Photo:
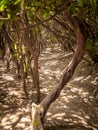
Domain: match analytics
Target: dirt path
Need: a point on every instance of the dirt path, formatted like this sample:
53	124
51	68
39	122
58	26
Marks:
76	108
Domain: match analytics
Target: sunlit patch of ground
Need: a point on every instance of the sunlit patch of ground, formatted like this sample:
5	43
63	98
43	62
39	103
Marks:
75	109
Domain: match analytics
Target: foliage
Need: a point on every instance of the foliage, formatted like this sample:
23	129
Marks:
32	24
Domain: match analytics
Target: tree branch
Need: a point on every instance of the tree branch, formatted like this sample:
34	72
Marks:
69	71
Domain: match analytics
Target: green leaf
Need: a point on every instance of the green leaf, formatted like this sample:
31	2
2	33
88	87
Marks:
93	3
74	9
9	16
3	4
80	3
17	2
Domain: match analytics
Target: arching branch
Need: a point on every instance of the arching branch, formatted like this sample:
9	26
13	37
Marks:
69	71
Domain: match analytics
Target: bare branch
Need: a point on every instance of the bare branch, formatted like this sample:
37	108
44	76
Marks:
4	19
69	71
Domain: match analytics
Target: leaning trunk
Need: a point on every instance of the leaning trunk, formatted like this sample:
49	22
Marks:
66	75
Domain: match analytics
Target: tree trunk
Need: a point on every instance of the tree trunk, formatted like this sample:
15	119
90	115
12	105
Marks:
79	31
36	79
23	75
36	120
31	46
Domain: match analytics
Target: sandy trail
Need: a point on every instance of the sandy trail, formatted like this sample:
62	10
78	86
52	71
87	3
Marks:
75	109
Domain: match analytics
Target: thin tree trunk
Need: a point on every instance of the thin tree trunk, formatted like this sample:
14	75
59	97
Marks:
32	49
24	79
36	79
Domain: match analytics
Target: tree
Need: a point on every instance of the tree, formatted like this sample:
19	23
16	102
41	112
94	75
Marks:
32	18
42	108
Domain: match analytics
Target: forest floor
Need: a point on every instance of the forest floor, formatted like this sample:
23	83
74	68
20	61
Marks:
75	109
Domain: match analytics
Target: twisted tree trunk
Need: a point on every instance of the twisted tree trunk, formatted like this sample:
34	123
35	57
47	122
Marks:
41	109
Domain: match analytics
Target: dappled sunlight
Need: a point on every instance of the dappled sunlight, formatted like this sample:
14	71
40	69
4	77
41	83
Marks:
75	109
7	120
16	120
67	98
80	92
44	90
49	113
58	115
7	77
74	101
22	125
14	93
78	78
46	72
57	72
25	119
80	119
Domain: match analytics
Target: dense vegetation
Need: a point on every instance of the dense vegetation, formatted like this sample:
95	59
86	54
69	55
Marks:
26	27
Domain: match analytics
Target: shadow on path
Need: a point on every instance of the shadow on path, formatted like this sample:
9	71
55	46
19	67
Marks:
75	109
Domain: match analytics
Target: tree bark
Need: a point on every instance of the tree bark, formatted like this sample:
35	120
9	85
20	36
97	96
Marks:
31	46
67	74
36	79
36	120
